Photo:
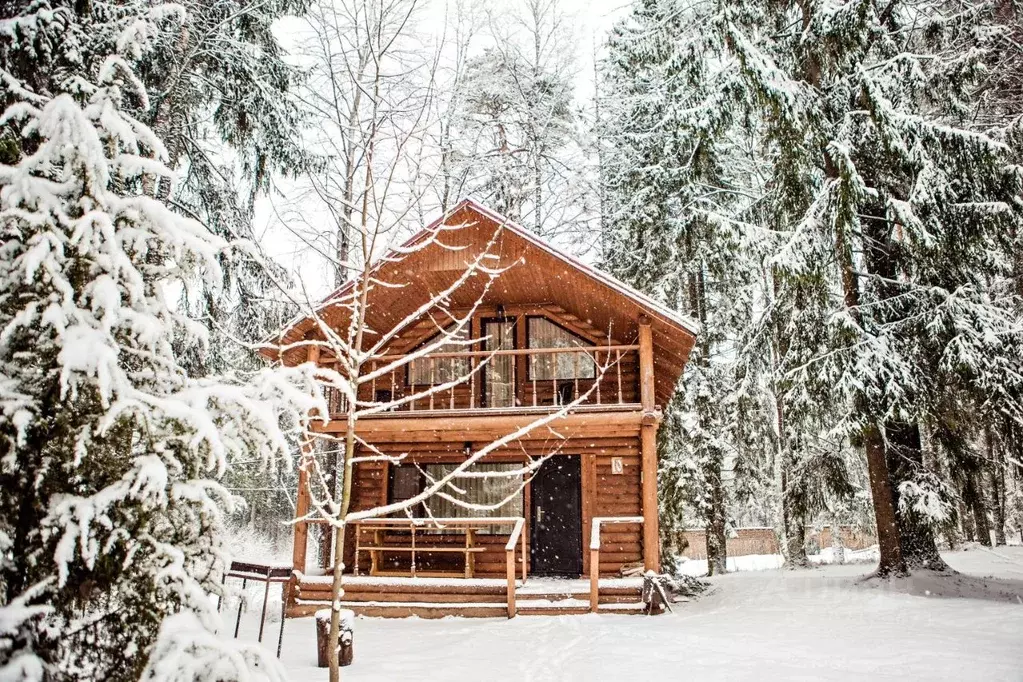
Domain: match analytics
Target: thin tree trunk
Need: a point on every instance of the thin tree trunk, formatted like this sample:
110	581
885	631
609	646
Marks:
837	546
975	498
966	518
795	538
974	495
717	543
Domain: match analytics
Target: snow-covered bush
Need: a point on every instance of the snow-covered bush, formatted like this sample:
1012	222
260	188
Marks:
111	517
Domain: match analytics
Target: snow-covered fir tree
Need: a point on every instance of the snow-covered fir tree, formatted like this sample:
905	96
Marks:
677	204
112	516
891	213
221	99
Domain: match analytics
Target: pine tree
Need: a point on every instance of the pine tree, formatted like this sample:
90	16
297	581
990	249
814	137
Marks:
112	517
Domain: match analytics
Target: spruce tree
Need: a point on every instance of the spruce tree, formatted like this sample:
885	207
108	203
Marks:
676	228
113	517
877	189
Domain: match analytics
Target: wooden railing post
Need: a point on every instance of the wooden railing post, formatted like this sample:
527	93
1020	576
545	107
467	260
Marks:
510	567
509	561
525	556
595	553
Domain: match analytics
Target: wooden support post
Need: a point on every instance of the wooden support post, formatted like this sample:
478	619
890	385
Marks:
648	443
646	364
301	509
298	551
594	579
651	527
470	556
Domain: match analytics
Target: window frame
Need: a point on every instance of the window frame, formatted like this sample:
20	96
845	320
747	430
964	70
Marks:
529	345
419	513
514	320
430	339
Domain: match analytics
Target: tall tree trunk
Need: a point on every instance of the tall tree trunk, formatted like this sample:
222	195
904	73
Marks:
717	543
888	537
974	493
905	457
996	484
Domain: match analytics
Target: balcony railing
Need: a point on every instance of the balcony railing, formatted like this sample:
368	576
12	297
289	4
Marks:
512	379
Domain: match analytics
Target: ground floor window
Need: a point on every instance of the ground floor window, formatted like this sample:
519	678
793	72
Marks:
482	485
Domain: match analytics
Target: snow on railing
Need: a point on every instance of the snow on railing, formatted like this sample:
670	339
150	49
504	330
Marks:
509	550
598	521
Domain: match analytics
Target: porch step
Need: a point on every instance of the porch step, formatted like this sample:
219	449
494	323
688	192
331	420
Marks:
473	598
426	609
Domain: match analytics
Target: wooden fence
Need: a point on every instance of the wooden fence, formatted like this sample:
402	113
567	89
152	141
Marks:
749	541
746	541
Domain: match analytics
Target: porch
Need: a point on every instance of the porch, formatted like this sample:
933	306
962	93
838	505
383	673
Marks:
390	593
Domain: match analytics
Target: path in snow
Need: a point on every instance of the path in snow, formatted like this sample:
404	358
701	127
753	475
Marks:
818	624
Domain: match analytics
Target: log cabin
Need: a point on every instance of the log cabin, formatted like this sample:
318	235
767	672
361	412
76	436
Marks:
547	332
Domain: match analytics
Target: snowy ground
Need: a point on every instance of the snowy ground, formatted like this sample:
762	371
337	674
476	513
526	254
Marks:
817	624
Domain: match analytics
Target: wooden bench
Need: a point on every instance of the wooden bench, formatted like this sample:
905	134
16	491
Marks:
416	538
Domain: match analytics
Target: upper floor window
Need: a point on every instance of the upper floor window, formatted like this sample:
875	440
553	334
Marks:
430	371
545	366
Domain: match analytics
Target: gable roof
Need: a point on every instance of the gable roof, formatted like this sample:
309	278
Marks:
534	272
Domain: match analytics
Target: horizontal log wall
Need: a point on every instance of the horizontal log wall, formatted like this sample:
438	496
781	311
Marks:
603	494
618	495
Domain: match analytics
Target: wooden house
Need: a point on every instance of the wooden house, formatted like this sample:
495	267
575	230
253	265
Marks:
553	331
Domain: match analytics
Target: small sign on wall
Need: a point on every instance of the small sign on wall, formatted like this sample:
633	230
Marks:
616	465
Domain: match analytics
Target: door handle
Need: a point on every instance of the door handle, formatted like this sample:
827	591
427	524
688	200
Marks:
539	514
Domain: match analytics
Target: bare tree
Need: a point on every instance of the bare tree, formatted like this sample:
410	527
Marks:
373	97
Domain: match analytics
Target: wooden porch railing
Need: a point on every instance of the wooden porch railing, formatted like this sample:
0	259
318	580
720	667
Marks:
509	550
598	521
613	385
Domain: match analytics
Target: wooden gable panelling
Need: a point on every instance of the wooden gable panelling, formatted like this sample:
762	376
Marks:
532	274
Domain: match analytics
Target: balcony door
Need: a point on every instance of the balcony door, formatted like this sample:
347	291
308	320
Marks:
499	373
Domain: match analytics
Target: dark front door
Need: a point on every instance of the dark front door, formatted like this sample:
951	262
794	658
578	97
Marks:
557	524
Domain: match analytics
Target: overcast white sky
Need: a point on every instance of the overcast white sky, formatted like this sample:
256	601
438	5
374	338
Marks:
591	20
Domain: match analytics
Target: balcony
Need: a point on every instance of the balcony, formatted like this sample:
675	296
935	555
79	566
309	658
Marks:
498	382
